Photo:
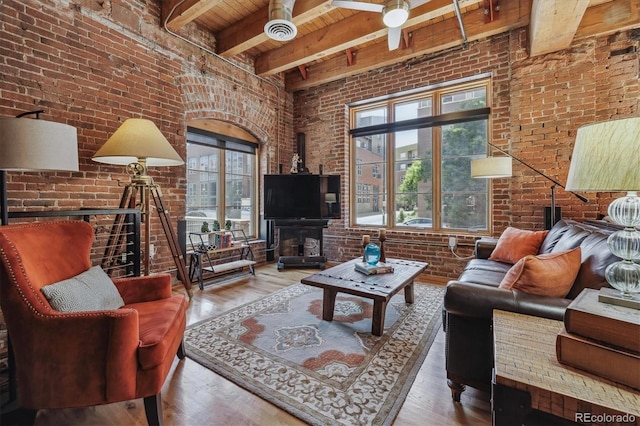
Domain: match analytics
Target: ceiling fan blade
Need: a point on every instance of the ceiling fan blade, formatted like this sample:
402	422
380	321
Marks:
393	37
415	3
357	5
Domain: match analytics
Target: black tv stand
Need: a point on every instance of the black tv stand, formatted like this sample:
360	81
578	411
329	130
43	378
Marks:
302	228
301	262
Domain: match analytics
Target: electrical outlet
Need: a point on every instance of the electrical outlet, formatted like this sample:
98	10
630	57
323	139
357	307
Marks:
453	243
152	251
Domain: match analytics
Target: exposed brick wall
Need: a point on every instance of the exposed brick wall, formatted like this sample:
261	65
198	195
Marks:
538	105
94	64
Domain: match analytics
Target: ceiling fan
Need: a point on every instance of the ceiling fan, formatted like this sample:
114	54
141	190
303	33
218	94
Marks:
394	14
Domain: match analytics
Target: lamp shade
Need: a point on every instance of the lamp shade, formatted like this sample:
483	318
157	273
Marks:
491	167
138	138
37	145
330	197
606	157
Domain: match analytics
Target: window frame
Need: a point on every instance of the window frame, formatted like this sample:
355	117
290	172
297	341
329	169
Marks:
224	144
437	94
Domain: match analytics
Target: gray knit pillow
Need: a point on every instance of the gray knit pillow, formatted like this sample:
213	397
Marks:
92	290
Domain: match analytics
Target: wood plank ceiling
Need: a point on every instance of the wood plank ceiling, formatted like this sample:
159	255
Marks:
335	42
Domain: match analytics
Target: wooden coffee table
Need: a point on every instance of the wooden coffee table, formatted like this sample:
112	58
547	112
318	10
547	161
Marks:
344	279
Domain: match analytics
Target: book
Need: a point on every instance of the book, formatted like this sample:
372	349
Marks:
612	325
593	357
378	268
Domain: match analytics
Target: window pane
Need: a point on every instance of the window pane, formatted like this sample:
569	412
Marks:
370	117
464	199
464	100
202	186
239	196
370	180
412	168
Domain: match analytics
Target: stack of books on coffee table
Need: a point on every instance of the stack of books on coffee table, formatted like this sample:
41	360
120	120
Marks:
602	339
378	268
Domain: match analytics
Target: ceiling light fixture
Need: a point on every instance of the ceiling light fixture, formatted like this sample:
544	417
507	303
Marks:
395	13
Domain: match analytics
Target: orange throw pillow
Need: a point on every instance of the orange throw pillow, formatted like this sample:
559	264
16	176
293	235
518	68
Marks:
514	244
550	274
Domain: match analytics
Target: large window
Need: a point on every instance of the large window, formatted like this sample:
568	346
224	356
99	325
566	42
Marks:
221	182
411	159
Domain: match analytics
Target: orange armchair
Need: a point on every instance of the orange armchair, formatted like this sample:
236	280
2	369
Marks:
75	359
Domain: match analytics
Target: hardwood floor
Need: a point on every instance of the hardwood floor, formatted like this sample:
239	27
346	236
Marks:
193	395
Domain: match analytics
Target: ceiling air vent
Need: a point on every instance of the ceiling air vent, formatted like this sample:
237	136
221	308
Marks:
280	26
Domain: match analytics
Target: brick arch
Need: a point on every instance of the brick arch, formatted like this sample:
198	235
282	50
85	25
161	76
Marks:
205	97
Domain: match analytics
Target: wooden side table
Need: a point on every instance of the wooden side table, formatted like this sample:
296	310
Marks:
527	376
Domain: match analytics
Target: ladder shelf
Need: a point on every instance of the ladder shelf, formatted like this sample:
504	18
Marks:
205	263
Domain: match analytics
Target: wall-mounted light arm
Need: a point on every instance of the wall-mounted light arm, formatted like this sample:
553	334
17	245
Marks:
555	182
496	167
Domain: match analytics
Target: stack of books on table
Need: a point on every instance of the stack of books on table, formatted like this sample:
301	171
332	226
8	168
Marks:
378	268
602	339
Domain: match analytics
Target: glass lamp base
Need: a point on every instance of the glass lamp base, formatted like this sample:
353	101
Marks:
625	274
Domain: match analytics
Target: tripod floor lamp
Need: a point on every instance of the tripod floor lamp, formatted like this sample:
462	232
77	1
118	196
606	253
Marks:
138	143
501	167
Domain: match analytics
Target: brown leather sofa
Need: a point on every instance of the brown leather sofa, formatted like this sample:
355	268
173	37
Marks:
470	300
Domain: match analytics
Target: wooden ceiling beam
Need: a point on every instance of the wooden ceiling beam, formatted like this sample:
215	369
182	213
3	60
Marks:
186	12
554	24
620	15
249	32
433	38
360	28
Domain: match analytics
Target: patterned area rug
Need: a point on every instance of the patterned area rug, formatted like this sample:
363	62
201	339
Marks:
322	372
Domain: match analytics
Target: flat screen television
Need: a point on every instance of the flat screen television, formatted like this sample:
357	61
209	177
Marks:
301	196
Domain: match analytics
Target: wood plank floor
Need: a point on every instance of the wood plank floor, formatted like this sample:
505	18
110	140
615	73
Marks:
193	395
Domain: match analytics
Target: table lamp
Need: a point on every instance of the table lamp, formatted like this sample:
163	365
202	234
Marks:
34	145
606	158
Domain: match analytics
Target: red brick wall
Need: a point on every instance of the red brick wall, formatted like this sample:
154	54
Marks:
538	105
94	64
